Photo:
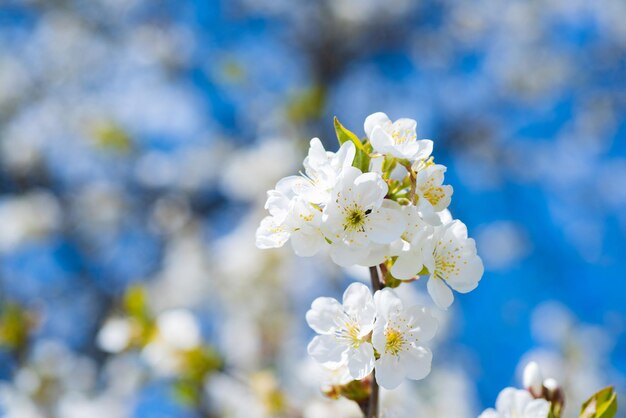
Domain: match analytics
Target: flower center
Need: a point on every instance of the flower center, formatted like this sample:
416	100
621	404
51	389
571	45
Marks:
434	195
445	263
394	341
355	219
350	333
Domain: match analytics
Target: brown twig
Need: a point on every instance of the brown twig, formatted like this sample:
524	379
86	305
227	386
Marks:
372	410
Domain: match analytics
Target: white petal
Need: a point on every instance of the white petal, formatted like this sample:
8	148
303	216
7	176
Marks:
358	301
457	229
317	153
512	401
348	176
416	362
306	244
288	185
373	120
347	256
407	265
490	413
389	374
310	193
387	303
537	408
407	150
468	277
445	216
270	234
369	190
361	361
425	149
345	155
326	348
380	140
386	224
441	294
405	124
378	335
378	254
424	323
324	315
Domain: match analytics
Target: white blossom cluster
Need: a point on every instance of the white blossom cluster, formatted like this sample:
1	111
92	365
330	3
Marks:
396	213
377	202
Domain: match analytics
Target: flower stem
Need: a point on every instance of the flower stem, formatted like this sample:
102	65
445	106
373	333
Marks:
372	410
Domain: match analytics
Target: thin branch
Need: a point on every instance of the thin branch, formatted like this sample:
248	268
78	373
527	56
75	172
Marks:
372	410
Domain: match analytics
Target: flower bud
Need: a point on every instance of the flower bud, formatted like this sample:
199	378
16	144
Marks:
533	379
553	393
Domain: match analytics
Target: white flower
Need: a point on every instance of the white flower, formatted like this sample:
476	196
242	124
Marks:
290	217
399	334
517	403
396	138
343	330
453	263
359	216
322	169
115	335
177	333
433	195
417	239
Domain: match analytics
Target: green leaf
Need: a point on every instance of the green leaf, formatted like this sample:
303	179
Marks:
602	404
362	158
344	135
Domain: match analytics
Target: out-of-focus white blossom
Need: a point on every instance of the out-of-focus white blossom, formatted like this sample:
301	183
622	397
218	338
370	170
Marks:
517	403
115	335
177	332
28	217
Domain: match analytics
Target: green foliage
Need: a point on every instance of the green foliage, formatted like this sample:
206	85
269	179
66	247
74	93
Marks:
602	404
135	303
15	325
199	362
307	105
111	137
362	157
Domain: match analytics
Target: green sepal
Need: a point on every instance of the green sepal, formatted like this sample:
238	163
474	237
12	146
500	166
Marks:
423	271
602	404
389	163
362	158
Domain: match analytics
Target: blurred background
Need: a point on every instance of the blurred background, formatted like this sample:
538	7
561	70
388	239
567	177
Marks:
138	138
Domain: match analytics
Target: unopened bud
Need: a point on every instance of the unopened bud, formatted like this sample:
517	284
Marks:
553	393
533	379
